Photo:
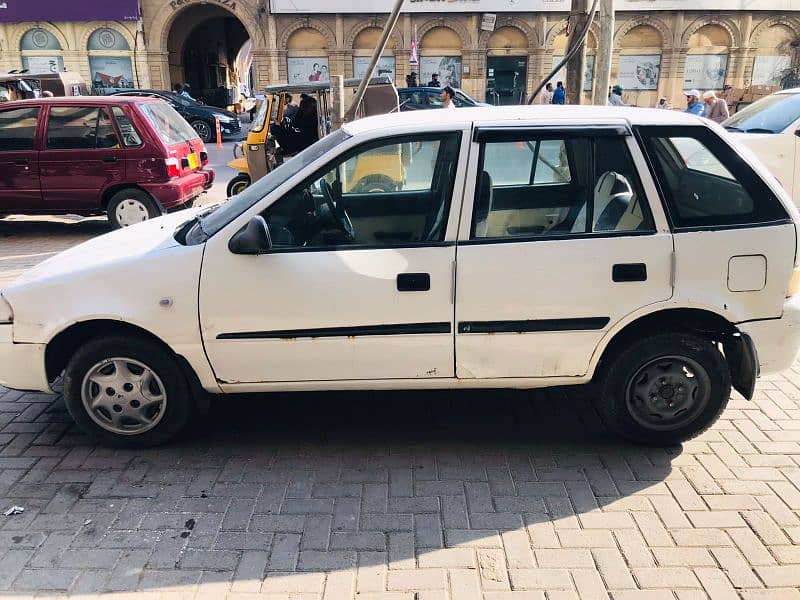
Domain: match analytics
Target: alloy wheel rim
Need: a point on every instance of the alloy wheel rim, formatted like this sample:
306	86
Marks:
668	393
124	396
131	211
202	130
238	188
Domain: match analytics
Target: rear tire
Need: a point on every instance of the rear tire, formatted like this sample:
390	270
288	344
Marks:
130	206
127	392
238	184
664	389
203	130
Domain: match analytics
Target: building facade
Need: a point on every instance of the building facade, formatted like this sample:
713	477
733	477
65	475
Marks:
496	50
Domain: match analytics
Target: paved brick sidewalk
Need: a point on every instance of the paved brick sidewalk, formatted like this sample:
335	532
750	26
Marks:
493	495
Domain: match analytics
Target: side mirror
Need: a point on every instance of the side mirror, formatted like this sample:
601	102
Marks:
254	238
797	132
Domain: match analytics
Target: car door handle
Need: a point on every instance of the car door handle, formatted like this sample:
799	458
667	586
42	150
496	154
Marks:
110	159
629	272
413	282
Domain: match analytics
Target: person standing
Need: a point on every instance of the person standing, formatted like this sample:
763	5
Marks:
560	95
187	93
547	94
615	98
434	82
716	108
289	108
447	97
663	103
693	104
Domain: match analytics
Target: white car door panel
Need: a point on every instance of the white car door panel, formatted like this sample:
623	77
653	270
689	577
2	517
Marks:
534	297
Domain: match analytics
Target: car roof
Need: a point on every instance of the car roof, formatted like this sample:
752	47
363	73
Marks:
789	91
425	88
102	100
552	115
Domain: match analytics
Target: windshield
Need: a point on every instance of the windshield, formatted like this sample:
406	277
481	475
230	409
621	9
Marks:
170	126
465	98
772	114
212	222
261	116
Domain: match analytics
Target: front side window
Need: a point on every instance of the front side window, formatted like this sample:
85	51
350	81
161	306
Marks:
558	186
705	183
79	128
18	128
387	193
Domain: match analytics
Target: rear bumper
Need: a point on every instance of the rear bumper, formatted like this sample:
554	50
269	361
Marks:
777	341
21	365
178	192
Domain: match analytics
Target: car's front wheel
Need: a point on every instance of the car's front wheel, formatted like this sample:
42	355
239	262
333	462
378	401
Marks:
664	389
127	391
203	130
131	206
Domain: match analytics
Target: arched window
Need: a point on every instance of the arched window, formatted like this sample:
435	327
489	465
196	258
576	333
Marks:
707	58
307	56
440	53
41	52
560	51
363	46
110	63
640	59
773	56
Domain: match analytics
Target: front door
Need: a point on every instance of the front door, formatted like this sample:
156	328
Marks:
505	79
561	245
81	158
19	160
359	282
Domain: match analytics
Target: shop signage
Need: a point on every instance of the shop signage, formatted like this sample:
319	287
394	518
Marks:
705	71
768	70
499	6
20	11
639	72
488	21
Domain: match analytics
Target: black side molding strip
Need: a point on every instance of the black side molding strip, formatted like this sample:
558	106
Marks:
531	326
519	133
363	330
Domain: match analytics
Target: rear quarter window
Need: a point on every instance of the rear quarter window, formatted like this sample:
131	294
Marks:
704	182
167	123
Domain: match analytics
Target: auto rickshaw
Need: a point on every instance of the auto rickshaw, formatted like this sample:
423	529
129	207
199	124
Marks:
23	85
258	155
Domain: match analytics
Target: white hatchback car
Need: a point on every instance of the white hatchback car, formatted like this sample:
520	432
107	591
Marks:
517	247
770	128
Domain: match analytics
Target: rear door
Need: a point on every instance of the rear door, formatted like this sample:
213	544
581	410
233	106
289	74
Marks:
19	160
81	158
561	244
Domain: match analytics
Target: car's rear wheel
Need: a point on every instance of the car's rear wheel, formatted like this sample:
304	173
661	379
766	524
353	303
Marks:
203	129
127	392
665	389
238	184
131	206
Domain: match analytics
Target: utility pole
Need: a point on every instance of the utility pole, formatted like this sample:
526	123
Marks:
605	49
576	67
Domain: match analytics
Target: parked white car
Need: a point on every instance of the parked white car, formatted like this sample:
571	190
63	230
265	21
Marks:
770	128
522	247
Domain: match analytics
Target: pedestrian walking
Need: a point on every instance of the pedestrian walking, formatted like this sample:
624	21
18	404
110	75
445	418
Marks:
560	94
434	82
693	104
716	108
615	98
547	94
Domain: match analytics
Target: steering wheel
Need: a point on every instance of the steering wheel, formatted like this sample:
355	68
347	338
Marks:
337	210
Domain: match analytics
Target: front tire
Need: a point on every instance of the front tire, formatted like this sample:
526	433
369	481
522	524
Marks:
203	130
664	389
127	392
238	184
131	206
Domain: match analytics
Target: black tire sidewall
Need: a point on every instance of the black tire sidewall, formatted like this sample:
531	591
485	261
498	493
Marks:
206	138
179	400
612	401
153	209
232	183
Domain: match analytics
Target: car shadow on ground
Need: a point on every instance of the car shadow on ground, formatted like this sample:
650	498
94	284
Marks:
279	493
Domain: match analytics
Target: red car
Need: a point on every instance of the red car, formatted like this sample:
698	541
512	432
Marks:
131	158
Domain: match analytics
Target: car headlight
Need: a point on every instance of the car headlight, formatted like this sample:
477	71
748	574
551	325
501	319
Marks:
6	312
225	119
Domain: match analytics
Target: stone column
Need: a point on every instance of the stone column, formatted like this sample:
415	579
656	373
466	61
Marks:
265	68
737	62
336	62
158	67
537	68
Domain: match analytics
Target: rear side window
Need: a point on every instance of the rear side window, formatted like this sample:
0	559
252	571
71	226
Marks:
168	124
18	128
704	182
130	136
80	128
558	186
